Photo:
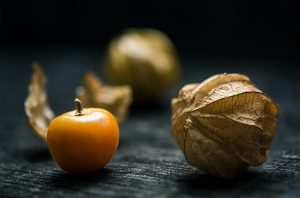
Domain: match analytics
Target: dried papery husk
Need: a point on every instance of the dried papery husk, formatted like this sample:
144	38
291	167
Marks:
224	124
36	104
115	99
145	59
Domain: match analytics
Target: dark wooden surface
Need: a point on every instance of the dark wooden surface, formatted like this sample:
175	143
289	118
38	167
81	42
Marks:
148	163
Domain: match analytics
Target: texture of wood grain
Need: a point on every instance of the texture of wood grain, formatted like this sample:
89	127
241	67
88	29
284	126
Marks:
148	163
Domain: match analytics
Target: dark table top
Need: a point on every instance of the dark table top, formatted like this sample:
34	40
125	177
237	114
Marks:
148	162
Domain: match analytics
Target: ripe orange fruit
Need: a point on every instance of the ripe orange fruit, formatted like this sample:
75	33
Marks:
84	140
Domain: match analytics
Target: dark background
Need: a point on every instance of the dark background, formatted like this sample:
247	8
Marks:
216	28
256	38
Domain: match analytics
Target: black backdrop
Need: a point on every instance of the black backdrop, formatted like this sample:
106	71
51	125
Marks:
68	39
210	28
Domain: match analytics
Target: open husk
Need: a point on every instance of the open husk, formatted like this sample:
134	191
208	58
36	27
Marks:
224	124
115	99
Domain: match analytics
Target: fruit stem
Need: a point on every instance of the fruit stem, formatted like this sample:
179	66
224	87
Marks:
78	107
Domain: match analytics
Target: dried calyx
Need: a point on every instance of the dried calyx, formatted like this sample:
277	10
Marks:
224	124
95	93
115	99
37	108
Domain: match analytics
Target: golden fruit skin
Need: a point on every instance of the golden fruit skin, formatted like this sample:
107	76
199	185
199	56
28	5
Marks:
145	59
83	143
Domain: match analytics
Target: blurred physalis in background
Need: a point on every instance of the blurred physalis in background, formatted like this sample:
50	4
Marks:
145	59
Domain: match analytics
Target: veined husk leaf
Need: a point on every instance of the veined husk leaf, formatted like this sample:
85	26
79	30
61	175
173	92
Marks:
36	104
224	124
115	99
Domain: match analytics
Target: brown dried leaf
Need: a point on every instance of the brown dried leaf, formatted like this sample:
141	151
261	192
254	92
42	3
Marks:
115	99
224	124
36	104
